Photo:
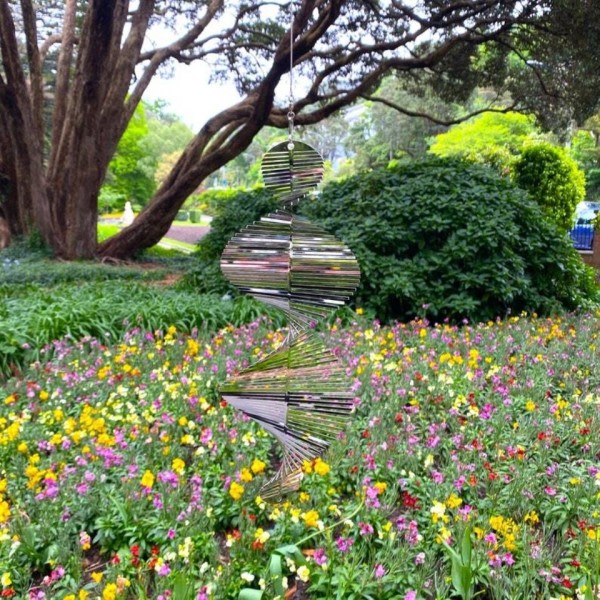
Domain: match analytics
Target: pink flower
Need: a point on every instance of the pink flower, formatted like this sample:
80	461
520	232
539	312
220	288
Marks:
379	571
320	557
410	595
344	544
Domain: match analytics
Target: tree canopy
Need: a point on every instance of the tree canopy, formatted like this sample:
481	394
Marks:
60	126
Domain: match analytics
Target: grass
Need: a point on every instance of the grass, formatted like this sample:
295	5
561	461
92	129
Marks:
107	230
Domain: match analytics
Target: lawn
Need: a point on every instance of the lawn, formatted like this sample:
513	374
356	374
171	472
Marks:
470	468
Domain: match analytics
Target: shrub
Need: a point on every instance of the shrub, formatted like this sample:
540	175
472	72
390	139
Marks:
446	239
553	179
211	201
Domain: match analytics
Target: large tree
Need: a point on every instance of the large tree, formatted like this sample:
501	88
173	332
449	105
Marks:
105	61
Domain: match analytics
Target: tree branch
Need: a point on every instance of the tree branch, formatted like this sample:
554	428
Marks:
36	82
63	70
437	121
158	57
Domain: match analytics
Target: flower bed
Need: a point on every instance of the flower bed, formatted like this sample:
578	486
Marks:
472	465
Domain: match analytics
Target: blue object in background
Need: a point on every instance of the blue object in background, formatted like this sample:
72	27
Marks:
582	233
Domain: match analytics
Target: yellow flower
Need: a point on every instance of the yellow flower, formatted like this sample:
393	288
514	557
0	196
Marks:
147	479
110	591
236	491
245	475
4	511
261	535
69	597
380	486
10	399
307	467
444	535
258	466
6	579
44	395
178	465
530	405
531	517
96	576
321	467
311	518
453	501
437	511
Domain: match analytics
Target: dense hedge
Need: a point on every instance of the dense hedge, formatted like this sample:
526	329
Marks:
442	239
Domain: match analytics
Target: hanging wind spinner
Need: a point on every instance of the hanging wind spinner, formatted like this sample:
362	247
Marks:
299	392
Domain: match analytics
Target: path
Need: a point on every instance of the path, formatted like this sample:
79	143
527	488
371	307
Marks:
187	233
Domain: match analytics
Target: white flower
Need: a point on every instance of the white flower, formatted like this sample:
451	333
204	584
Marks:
303	573
248	577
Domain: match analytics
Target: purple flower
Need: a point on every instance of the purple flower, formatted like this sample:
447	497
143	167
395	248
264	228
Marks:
379	571
320	557
344	544
365	528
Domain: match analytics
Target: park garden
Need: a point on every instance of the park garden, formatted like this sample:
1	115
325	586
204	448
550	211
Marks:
460	144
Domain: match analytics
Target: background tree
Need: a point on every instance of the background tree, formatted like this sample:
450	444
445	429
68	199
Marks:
126	178
492	138
585	149
553	180
399	120
105	63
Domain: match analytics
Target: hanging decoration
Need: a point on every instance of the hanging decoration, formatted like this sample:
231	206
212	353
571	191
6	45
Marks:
300	392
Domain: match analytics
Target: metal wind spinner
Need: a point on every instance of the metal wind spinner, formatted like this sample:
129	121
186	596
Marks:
299	392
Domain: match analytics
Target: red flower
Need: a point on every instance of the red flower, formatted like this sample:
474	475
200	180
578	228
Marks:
366	434
567	583
399	418
115	560
155	551
257	545
410	501
135	550
575	563
8	593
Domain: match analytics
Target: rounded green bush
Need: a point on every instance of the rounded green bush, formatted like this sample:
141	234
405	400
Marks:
445	239
553	180
439	239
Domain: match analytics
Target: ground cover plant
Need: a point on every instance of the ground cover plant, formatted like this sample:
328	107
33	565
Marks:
470	469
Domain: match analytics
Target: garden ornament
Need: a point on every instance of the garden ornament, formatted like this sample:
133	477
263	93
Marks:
299	392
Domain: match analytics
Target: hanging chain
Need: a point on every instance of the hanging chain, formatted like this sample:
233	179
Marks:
291	114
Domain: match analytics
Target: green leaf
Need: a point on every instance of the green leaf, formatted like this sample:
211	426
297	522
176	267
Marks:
250	594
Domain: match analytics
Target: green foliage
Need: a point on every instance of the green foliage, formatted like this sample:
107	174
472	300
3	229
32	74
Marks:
492	138
553	179
126	179
447	239
32	317
585	150
210	201
241	209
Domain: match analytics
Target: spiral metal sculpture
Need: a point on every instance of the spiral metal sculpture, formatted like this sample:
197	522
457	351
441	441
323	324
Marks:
299	392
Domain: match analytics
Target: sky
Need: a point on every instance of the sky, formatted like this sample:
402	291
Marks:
188	94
